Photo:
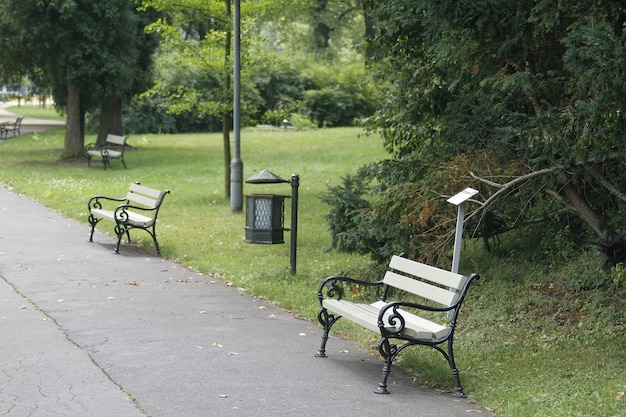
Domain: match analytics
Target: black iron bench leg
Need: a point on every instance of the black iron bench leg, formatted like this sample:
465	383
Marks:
120	230
455	371
388	352
93	221
326	320
154	239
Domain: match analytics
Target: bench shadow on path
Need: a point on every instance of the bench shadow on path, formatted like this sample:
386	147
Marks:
127	250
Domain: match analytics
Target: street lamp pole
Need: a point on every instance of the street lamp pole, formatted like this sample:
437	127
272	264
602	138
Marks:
236	164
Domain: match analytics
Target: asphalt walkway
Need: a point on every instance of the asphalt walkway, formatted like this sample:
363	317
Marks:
89	333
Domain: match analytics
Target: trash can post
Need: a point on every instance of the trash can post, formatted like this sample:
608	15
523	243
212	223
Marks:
295	183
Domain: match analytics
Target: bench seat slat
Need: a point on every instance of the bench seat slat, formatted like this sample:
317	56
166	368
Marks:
110	152
366	315
427	272
134	219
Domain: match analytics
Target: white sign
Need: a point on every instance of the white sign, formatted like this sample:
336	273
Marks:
466	194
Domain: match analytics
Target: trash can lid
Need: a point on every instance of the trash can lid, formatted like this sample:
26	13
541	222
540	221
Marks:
265	177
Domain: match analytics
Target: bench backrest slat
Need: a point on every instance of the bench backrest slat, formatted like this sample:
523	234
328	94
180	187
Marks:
116	140
145	196
421	288
424	280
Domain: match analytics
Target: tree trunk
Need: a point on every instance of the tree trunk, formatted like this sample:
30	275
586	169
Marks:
75	124
321	30
110	121
612	247
370	30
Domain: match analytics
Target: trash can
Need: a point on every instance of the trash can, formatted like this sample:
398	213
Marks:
265	214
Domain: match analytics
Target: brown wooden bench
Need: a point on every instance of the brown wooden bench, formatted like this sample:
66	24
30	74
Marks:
421	292
113	149
139	210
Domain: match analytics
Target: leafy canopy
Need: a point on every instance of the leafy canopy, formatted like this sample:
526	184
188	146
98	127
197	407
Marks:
522	100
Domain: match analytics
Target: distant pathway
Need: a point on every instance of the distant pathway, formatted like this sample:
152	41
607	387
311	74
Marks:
29	124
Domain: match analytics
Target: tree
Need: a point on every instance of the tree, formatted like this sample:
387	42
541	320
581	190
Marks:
90	53
132	73
197	50
523	100
196	59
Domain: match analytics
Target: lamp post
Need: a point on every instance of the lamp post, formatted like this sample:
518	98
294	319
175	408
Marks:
236	164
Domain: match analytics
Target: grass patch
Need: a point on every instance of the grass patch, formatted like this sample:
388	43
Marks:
526	344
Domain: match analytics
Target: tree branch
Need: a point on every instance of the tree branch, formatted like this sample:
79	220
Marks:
595	174
513	184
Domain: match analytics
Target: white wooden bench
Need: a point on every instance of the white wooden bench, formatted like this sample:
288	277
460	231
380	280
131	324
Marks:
113	149
426	291
15	128
139	210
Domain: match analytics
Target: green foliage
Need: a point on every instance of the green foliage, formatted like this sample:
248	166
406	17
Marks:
278	78
618	275
376	211
146	116
340	94
281	89
521	100
100	47
348	207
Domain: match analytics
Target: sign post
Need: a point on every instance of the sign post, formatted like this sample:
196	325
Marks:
458	201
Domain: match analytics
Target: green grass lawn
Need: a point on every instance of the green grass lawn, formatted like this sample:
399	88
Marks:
37	111
523	349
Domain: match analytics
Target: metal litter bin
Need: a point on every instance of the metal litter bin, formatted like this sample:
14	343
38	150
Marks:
265	215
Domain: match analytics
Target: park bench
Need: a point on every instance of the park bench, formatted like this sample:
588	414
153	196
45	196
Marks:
15	128
421	292
113	149
139	210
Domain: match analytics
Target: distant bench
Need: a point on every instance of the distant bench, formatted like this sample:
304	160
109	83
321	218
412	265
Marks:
139	210
426	291
113	149
15	128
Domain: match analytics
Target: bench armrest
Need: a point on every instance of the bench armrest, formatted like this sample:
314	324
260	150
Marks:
106	148
333	286
103	149
121	212
95	202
